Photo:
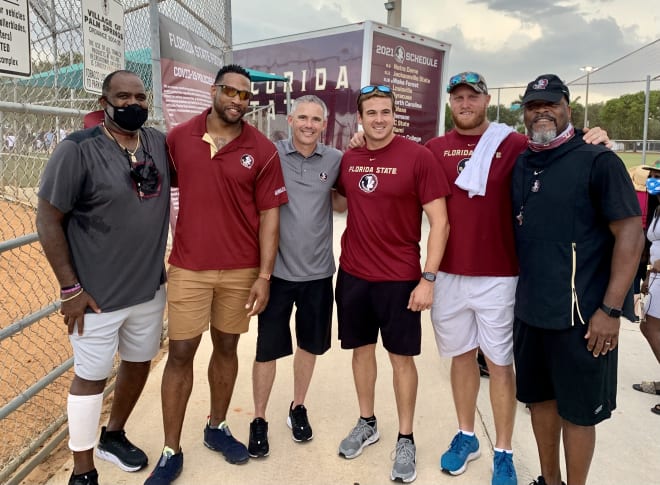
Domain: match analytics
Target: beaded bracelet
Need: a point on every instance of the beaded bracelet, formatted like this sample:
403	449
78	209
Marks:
80	292
70	289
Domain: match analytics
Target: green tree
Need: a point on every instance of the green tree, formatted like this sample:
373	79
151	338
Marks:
623	117
510	116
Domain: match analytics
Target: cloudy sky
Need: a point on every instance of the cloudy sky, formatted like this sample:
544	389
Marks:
508	41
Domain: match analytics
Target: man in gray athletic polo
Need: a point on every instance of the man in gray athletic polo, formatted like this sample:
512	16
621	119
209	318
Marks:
303	270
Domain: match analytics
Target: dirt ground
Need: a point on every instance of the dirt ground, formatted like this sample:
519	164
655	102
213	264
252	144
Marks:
27	284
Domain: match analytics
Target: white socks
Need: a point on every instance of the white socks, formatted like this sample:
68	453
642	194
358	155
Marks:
84	415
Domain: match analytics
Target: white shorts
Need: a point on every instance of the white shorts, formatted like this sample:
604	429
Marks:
133	331
652	300
474	311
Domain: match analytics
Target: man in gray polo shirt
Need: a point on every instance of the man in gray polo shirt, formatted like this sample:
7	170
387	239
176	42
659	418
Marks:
303	270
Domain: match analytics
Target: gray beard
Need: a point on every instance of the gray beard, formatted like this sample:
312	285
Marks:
544	137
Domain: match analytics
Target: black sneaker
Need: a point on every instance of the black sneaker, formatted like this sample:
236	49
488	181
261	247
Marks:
168	468
258	444
299	423
114	447
89	478
541	481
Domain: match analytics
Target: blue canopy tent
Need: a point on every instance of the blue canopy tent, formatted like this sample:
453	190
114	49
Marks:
138	61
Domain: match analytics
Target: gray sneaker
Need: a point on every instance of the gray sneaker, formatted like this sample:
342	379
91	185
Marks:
362	435
404	462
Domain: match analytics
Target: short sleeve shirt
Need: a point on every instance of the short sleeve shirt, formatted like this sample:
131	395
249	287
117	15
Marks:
305	249
481	241
117	239
221	196
385	191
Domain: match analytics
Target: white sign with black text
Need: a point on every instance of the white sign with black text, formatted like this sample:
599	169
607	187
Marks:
14	38
103	38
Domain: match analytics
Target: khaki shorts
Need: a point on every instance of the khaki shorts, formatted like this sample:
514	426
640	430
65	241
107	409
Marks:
218	297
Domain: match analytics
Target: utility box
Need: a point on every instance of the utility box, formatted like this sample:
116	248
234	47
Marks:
335	63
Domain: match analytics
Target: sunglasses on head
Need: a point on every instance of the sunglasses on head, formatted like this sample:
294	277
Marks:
464	77
372	88
231	92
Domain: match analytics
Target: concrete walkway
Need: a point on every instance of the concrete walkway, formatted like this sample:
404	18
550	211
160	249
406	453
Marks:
627	447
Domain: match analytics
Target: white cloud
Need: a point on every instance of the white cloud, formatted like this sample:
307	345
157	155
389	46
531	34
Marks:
509	41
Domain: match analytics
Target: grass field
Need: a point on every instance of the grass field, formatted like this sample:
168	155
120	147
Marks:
635	158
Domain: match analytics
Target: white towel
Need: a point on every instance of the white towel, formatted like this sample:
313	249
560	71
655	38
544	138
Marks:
474	176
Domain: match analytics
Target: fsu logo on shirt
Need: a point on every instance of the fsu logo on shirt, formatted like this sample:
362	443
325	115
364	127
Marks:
461	165
247	161
368	182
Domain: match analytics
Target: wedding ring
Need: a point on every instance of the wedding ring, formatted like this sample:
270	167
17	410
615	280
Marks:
608	343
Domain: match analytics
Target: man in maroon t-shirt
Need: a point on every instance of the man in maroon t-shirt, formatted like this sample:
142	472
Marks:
380	286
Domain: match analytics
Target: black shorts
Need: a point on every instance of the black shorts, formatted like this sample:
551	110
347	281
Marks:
556	365
364	307
313	300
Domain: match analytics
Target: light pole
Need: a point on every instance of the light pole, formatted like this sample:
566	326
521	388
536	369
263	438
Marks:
394	12
588	70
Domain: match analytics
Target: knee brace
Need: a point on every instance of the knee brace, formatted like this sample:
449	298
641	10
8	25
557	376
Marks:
84	414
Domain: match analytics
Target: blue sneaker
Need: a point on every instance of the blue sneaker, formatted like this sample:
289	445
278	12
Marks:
168	468
463	448
504	473
221	439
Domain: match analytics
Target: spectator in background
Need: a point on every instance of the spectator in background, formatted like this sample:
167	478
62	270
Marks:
49	140
650	314
638	175
10	141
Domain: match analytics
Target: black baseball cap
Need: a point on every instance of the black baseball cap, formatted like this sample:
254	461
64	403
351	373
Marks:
546	87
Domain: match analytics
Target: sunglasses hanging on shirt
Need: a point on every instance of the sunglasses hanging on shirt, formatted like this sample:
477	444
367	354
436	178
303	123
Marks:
144	174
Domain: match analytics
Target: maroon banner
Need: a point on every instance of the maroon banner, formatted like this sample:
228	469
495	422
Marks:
328	67
414	72
188	66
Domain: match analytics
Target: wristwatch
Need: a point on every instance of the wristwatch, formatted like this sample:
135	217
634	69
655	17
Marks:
265	276
611	312
428	276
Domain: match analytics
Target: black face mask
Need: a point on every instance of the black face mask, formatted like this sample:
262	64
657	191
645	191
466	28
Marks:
130	118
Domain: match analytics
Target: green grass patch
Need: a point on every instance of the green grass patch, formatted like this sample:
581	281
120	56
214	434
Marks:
635	158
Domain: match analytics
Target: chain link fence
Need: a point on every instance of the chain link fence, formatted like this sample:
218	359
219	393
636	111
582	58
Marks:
36	113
